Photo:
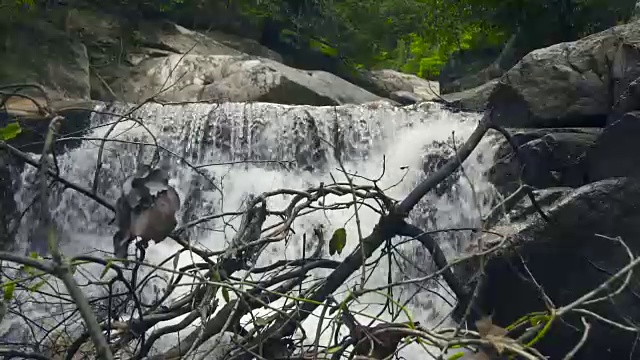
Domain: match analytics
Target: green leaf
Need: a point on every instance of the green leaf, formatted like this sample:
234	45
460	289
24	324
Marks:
10	131
225	294
456	356
216	277
37	286
338	241
261	321
8	290
106	269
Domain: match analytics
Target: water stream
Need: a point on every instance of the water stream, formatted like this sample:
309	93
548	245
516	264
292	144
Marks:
253	148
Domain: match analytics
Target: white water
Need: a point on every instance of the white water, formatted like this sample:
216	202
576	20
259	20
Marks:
373	132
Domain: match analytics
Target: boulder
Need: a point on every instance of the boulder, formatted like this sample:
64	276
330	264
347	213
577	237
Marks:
628	101
468	68
568	259
474	99
405	97
545	198
572	84
553	157
615	153
35	125
116	45
390	81
175	39
237	79
244	45
40	53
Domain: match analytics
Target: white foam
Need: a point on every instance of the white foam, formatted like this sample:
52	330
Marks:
373	132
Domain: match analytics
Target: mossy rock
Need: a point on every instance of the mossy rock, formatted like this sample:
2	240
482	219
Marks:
38	52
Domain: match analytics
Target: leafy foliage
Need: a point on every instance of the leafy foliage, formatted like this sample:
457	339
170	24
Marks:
416	36
338	241
10	131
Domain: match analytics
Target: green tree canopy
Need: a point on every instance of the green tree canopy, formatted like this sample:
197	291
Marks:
416	36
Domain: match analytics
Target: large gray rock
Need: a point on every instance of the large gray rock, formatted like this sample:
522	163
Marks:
550	158
392	81
244	45
35	125
176	39
615	153
469	68
39	53
569	84
627	102
116	45
158	39
474	99
568	259
236	79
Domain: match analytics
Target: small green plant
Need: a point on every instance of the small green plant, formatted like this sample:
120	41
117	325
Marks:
10	131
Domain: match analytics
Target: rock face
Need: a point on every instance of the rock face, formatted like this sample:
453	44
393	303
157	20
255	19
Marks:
391	81
59	63
236	79
467	69
130	61
615	153
569	84
568	259
553	158
573	111
474	99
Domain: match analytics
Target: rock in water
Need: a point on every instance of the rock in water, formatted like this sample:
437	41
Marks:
474	99
615	153
568	259
390	81
237	79
405	97
571	84
551	157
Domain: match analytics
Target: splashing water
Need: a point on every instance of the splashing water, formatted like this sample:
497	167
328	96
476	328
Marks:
253	148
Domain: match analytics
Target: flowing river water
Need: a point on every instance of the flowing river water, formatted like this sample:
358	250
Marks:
253	148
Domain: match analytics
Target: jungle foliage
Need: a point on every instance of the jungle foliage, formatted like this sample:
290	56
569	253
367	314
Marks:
416	36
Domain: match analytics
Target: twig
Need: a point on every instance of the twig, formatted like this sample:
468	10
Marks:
580	344
62	267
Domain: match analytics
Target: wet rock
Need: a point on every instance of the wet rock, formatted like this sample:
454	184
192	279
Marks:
553	157
391	81
405	97
34	125
568	259
615	153
56	61
572	84
238	79
474	99
469	68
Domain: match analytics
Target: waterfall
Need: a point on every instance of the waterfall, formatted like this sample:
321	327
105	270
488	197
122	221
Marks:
253	148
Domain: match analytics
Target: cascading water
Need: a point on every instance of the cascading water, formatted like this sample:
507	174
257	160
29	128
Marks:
253	148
